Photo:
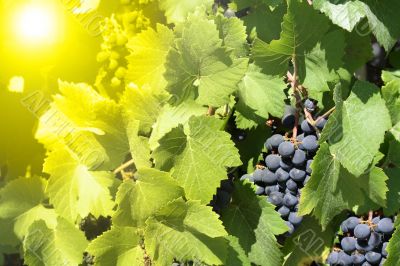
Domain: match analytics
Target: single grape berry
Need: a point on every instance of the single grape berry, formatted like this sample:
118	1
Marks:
291	185
269	177
273	162
373	257
295	219
309	105
291	228
276	198
286	149
260	190
384	251
297	174
282	175
274	141
320	123
385	226
333	258
308	166
269	189
358	258
362	231
284	211
374	239
289	117
310	143
348	244
299	158
289	200
306	127
344	259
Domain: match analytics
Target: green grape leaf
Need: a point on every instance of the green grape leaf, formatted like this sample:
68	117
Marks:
149	50
21	205
186	231
236	255
308	243
200	67
257	18
322	62
63	245
349	124
357	52
86	123
138	145
394	246
393	195
255	223
74	190
171	116
246	118
380	17
391	94
262	93
177	11
152	190
232	32
118	246
333	189
142	104
396	131
388	76
197	155
301	29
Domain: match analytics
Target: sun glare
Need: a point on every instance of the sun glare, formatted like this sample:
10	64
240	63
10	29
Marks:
36	23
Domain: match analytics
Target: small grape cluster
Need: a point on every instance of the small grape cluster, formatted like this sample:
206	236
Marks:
287	166
362	242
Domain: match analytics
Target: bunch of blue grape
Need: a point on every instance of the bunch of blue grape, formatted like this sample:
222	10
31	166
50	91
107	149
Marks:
287	165
362	242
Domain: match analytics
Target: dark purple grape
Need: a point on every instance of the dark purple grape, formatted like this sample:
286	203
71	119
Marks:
358	258
282	175
321	122
286	149
308	167
384	250
385	226
289	200
276	198
260	190
291	185
269	189
375	239
273	162
295	219
306	127
274	141
258	175
284	211
310	143
362	231
348	244
269	177
333	258
309	105
373	257
297	175
289	116
291	228
344	259
299	158
352	222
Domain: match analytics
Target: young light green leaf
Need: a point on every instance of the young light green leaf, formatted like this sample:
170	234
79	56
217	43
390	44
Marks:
171	116
200	68
74	190
262	93
255	223
139	200
197	155
149	50
232	32
62	246
119	246
21	205
391	94
349	124
301	29
138	145
186	231
177	11
142	104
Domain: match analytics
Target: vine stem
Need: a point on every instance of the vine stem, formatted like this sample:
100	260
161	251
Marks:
326	114
370	216
123	166
310	2
294	85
